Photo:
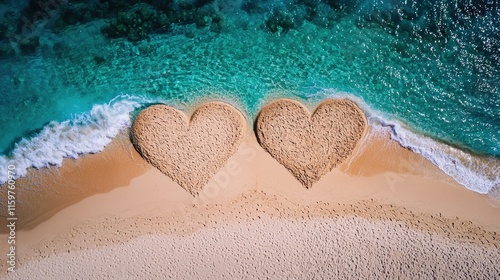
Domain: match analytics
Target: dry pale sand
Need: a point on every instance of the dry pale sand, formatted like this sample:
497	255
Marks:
384	213
343	248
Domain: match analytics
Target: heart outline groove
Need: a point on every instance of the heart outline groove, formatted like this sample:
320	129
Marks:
308	144
189	150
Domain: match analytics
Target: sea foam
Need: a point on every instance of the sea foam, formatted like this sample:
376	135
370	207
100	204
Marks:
477	173
86	133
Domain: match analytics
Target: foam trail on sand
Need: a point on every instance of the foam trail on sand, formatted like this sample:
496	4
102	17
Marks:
85	133
480	174
476	173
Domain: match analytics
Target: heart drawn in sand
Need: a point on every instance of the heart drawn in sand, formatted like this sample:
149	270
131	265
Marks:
310	146
190	151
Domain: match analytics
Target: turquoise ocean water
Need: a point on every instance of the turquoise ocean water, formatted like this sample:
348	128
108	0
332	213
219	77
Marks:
430	71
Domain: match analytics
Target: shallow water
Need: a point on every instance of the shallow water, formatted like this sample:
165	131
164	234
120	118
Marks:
432	71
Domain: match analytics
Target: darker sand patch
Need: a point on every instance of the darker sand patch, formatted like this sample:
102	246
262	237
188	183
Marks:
310	146
44	192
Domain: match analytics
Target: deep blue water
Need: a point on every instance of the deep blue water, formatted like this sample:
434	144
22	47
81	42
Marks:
431	70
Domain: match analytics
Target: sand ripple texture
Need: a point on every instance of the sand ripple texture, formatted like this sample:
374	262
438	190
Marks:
345	248
310	146
190	151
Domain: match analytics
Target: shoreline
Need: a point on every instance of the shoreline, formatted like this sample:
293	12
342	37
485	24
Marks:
144	201
463	164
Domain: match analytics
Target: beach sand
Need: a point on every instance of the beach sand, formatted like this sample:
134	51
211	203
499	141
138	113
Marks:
385	212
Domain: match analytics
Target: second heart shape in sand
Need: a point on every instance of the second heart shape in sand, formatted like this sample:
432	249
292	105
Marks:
190	151
310	146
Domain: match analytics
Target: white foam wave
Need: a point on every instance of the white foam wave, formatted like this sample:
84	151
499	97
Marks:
477	173
86	133
480	174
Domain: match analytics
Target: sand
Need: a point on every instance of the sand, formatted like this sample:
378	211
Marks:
44	192
310	145
190	151
384	212
280	249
